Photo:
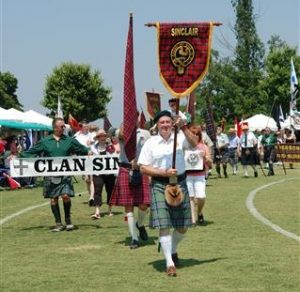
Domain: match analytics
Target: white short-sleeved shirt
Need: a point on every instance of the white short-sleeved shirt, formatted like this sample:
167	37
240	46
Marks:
158	152
251	140
141	137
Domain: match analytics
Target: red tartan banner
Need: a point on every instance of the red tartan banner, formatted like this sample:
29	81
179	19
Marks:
184	52
153	103
288	152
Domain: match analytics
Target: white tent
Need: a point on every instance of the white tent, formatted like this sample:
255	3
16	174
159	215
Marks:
11	114
32	116
259	122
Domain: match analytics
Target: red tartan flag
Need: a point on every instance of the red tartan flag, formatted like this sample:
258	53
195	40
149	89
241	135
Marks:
237	127
142	120
13	184
73	123
106	124
153	103
184	52
130	108
191	106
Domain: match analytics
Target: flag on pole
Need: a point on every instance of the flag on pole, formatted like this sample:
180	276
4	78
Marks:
294	87
13	184
59	113
73	123
281	116
153	103
142	120
210	121
130	109
106	124
237	127
191	106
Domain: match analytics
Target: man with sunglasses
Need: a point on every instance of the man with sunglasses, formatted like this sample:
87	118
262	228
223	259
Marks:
57	145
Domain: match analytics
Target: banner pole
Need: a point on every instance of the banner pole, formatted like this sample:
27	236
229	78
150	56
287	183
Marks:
153	24
175	136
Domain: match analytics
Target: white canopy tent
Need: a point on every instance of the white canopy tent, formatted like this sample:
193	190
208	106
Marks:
259	122
32	116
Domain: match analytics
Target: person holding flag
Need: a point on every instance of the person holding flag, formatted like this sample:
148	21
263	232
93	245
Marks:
131	188
155	160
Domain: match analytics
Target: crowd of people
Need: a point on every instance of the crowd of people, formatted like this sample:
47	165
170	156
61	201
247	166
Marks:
174	191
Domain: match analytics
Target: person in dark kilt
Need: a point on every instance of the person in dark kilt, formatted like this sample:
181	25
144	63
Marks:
221	153
57	145
248	150
155	160
132	189
268	142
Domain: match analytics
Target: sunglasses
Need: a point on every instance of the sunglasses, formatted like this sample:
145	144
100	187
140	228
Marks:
60	127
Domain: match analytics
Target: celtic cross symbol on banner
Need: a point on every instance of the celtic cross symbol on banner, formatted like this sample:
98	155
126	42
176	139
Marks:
184	52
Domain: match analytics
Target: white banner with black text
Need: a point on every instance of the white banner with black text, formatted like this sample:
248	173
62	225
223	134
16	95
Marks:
64	166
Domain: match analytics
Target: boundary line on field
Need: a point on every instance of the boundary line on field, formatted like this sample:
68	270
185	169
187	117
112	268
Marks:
9	217
261	218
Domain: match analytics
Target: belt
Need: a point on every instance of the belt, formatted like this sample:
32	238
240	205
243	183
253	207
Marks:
125	165
180	178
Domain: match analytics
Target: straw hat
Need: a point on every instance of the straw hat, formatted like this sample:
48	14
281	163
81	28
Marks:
245	127
100	133
231	130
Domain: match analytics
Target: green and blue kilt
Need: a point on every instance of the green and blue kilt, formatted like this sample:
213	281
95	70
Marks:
164	216
54	186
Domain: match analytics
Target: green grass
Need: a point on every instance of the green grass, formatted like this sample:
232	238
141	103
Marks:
232	252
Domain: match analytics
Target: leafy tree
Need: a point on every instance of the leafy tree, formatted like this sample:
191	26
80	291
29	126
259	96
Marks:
248	61
276	84
8	88
218	86
82	91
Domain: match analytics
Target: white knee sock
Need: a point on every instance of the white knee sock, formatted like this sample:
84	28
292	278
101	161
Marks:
131	226
141	217
166	246
176	238
192	202
245	170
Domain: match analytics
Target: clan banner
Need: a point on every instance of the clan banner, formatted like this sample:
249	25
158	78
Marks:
184	53
288	152
153	103
64	166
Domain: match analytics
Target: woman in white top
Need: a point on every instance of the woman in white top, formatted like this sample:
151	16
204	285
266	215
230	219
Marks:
197	161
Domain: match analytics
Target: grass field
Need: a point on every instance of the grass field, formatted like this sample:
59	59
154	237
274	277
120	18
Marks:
232	252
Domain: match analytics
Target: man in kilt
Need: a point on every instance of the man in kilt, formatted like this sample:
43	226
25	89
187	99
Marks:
248	150
268	142
221	154
56	145
132	189
155	160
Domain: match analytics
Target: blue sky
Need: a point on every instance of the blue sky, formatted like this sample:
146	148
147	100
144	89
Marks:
37	35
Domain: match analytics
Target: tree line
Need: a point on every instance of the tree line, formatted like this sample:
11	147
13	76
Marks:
255	80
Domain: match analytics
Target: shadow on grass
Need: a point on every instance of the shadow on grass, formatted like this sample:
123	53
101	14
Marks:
160	265
205	223
150	241
76	227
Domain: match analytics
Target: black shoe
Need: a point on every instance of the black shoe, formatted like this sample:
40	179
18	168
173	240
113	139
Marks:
255	173
91	202
134	244
143	232
200	219
271	173
175	259
225	174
